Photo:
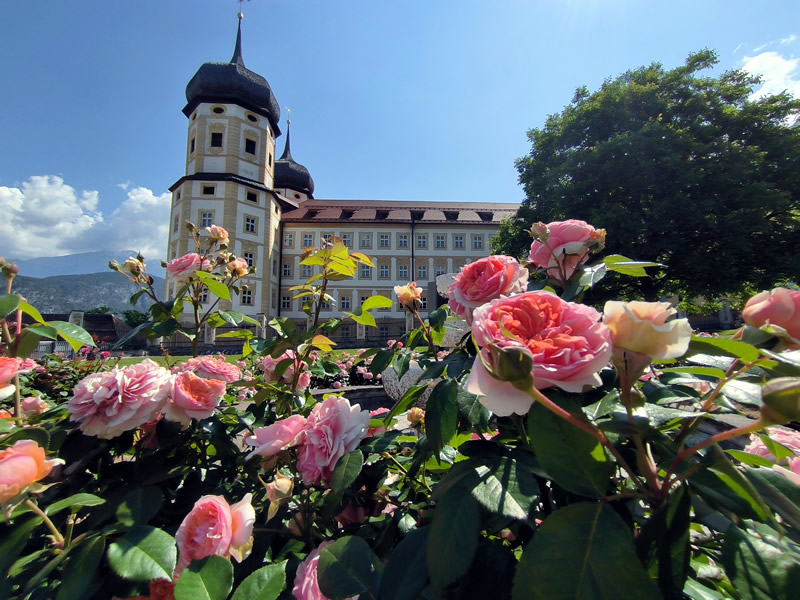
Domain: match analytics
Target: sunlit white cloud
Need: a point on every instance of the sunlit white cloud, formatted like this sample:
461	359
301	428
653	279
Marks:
46	217
788	39
778	73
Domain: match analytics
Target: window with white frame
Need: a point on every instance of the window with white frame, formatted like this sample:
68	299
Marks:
287	269
366	240
206	219
326	305
458	241
249	258
247	297
422	272
384	240
402	272
440	241
344	302
250	224
477	242
440	270
402	241
366	272
288	240
176	224
306	271
347	239
204	296
286	302
326	237
422	241
384	271
383	331
308	240
347	331
424	302
363	299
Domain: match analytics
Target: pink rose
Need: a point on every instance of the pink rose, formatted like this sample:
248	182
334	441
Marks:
214	527
21	465
409	295
238	267
564	247
109	403
193	397
182	269
9	367
644	328
779	308
374	414
484	280
217	234
270	440
568	345
306	586
269	364
33	405
333	429
785	437
210	367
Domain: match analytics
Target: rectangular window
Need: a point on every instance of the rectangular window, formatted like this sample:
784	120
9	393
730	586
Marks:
250	224
175	224
216	140
326	237
191	146
326	305
422	272
477	242
366	240
274	300
384	274
424	302
384	240
402	241
306	271
383	330
363	299
208	190
402	272
440	241
274	267
206	219
344	302
288	240
366	272
248	256
204	296
247	297
439	271
252	196
308	240
346	331
422	241
287	270
286	302
250	146
347	239
459	241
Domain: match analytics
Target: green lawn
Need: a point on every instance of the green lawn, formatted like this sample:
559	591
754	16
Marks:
132	360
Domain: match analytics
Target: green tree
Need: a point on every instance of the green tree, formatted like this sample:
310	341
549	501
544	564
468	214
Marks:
679	168
134	318
100	310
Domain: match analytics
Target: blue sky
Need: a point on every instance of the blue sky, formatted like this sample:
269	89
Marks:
412	100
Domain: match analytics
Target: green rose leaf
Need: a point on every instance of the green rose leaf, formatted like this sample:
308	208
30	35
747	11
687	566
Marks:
453	538
80	569
207	579
441	414
347	469
8	304
265	584
75	336
74	502
140	505
406	572
346	569
144	553
584	551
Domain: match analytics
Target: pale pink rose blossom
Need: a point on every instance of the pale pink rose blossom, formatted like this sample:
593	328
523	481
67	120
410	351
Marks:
374	414
210	367
786	437
217	234
213	527
109	403
238	267
9	367
484	280
568	344
333	429
22	465
779	307
33	405
568	246
193	397
270	440
182	269
306	586
337	385
269	364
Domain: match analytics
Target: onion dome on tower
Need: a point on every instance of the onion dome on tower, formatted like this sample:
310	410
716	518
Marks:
233	82
290	174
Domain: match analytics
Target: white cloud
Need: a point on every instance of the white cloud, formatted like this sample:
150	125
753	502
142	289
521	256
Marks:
125	184
788	39
46	217
739	47
778	73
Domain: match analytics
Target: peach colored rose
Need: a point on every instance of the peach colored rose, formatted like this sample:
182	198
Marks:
182	269
566	342
416	416
567	246
193	397
484	280
33	405
408	295
779	308
109	403
210	367
238	267
644	328
306	586
134	267
21	465
333	429
217	234
270	440
213	527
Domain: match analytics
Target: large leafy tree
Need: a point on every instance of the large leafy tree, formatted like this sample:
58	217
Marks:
679	168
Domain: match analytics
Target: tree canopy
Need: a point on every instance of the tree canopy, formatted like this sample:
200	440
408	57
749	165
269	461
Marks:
679	168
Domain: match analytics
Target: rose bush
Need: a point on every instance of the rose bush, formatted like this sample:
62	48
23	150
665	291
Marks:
484	280
562	246
779	308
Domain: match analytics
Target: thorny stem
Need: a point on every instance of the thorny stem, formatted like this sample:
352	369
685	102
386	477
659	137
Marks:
404	470
59	539
643	459
426	330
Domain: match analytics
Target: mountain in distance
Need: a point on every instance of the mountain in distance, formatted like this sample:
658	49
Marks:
65	293
80	264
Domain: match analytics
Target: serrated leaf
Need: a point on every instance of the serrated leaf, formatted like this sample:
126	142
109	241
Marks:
219	289
441	414
144	553
406	572
345	569
362	258
8	304
346	471
139	506
208	579
75	336
453	537
31	312
265	584
471	410
73	502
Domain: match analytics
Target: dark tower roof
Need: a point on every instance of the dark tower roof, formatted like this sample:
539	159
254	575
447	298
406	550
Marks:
290	174
233	82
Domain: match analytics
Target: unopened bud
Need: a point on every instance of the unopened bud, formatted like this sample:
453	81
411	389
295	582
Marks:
416	416
134	267
539	232
781	401
190	227
512	363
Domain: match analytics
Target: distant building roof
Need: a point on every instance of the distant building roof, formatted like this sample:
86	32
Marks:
291	174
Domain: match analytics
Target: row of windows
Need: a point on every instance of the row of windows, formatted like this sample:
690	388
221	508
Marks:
365	272
344	303
365	240
245	297
217	142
